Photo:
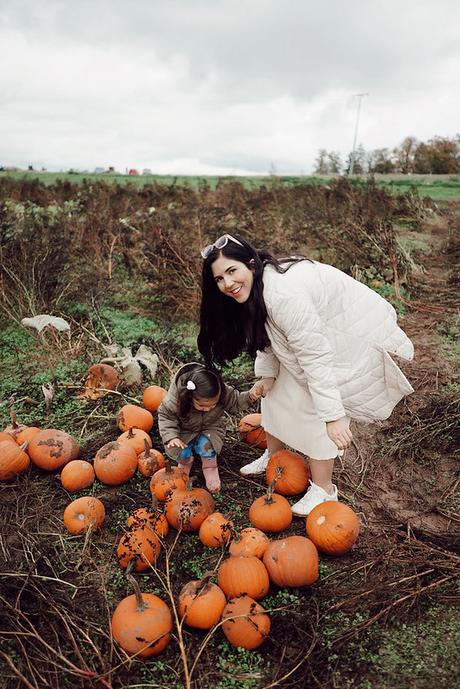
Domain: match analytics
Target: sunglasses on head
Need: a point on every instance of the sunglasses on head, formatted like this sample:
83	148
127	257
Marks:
219	244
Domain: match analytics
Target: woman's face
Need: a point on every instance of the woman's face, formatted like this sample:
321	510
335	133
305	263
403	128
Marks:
233	278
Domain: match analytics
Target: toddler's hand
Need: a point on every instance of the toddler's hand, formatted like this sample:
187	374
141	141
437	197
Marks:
261	388
176	442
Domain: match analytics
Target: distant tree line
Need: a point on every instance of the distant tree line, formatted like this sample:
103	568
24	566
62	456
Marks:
438	156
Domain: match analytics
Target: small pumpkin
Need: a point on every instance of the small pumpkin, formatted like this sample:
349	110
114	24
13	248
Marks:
238	575
149	461
187	508
51	449
292	561
251	430
133	416
246	624
84	513
153	396
77	474
115	463
100	380
139	547
14	459
142	623
249	542
289	472
164	481
26	435
215	530
137	438
333	527
201	603
271	512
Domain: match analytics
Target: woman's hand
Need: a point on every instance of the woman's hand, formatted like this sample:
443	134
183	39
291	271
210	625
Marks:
339	433
261	388
176	442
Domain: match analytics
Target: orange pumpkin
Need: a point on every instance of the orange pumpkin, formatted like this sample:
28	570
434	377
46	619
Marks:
149	461
26	435
292	561
201	603
14	460
84	513
139	545
187	508
137	438
6	436
271	512
77	474
133	416
251	431
333	527
164	481
249	542
215	530
142	623
246	623
238	575
153	518
115	463
50	449
288	471
101	378
153	396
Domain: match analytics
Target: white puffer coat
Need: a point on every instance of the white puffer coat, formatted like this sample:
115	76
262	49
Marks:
334	334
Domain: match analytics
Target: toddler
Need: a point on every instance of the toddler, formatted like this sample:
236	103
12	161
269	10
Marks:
191	418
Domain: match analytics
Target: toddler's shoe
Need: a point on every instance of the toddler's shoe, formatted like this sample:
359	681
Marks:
258	466
315	495
212	478
186	465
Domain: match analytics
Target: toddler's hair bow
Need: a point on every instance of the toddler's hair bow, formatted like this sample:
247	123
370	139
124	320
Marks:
191	385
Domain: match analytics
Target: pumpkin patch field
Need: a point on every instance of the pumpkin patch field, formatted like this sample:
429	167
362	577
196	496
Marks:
119	572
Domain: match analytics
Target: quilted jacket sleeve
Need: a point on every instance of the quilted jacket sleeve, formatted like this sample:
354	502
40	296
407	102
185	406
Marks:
297	319
266	364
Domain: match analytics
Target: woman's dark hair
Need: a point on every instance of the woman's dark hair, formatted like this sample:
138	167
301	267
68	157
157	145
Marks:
208	384
227	328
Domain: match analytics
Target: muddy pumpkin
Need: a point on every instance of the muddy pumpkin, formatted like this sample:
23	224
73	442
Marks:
51	449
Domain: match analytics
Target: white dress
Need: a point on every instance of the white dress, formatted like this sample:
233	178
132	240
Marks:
288	413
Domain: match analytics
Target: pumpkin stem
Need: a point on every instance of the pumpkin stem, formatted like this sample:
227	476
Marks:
154	503
130	434
141	605
168	467
269	495
146	448
13	417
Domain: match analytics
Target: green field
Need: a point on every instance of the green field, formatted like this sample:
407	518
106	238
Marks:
437	187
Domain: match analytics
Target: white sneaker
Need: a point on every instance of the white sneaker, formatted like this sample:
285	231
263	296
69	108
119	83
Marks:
258	466
315	495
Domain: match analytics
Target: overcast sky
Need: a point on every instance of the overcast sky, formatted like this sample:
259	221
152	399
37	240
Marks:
221	86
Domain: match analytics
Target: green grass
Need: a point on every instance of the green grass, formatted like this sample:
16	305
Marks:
437	187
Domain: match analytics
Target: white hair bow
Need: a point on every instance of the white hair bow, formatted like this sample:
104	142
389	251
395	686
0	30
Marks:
191	385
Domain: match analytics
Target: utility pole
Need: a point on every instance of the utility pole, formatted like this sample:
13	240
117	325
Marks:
359	96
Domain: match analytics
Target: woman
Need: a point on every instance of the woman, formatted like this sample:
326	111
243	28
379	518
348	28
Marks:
321	341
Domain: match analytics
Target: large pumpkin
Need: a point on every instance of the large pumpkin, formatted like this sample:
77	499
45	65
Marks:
289	471
153	518
187	508
292	561
246	624
153	396
270	512
140	546
13	459
250	541
50	449
132	416
251	431
84	513
333	527
142	624
239	574
201	603
77	474
115	463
